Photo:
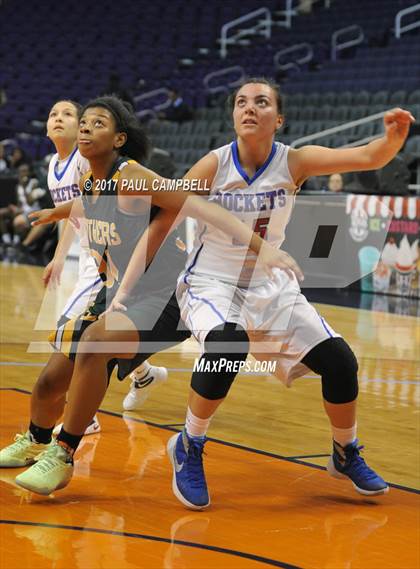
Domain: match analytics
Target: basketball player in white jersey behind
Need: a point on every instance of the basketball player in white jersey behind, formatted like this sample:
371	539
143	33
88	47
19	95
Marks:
64	172
65	169
231	306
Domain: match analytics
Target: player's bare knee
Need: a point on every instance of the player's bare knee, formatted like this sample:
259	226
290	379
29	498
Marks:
99	344
49	386
92	343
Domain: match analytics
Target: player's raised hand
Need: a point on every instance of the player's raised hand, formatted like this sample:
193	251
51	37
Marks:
43	216
397	123
118	304
52	274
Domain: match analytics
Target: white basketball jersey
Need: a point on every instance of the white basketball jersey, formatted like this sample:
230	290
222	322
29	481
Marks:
63	183
264	203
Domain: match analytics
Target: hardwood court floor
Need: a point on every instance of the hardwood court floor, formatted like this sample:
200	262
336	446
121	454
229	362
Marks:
272	503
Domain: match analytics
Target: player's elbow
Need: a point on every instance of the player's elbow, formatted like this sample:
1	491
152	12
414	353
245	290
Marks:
368	165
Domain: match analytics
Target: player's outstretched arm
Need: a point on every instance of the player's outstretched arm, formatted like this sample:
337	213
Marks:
318	160
186	203
148	245
45	216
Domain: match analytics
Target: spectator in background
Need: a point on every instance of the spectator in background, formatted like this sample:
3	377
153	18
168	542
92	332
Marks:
178	110
3	96
115	87
305	6
13	218
3	163
31	197
161	162
335	183
36	238
217	98
17	158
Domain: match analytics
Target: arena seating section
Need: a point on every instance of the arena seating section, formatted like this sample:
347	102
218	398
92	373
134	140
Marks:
61	49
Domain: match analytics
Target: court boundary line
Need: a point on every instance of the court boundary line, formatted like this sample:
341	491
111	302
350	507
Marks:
169	427
214	548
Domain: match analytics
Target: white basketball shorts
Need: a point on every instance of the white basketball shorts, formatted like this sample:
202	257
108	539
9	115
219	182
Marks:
87	287
280	322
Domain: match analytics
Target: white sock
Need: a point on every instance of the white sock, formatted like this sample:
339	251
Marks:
344	436
195	426
142	370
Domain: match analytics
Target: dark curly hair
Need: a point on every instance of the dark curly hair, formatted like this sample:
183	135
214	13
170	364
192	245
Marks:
137	145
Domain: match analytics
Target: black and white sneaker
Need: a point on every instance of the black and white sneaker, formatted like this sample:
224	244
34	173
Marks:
93	428
142	386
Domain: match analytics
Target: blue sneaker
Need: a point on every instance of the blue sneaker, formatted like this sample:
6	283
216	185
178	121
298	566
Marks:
346	462
189	481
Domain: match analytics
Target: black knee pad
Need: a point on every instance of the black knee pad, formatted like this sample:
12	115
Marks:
227	348
229	338
337	365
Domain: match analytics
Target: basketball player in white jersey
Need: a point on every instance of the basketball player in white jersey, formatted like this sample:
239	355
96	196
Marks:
228	303
65	169
64	172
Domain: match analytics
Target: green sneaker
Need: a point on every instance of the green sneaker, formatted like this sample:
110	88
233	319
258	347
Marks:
21	453
53	470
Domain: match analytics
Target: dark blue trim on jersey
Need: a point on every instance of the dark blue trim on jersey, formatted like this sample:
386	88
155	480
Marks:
325	327
188	273
199	298
258	173
70	158
188	270
81	294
